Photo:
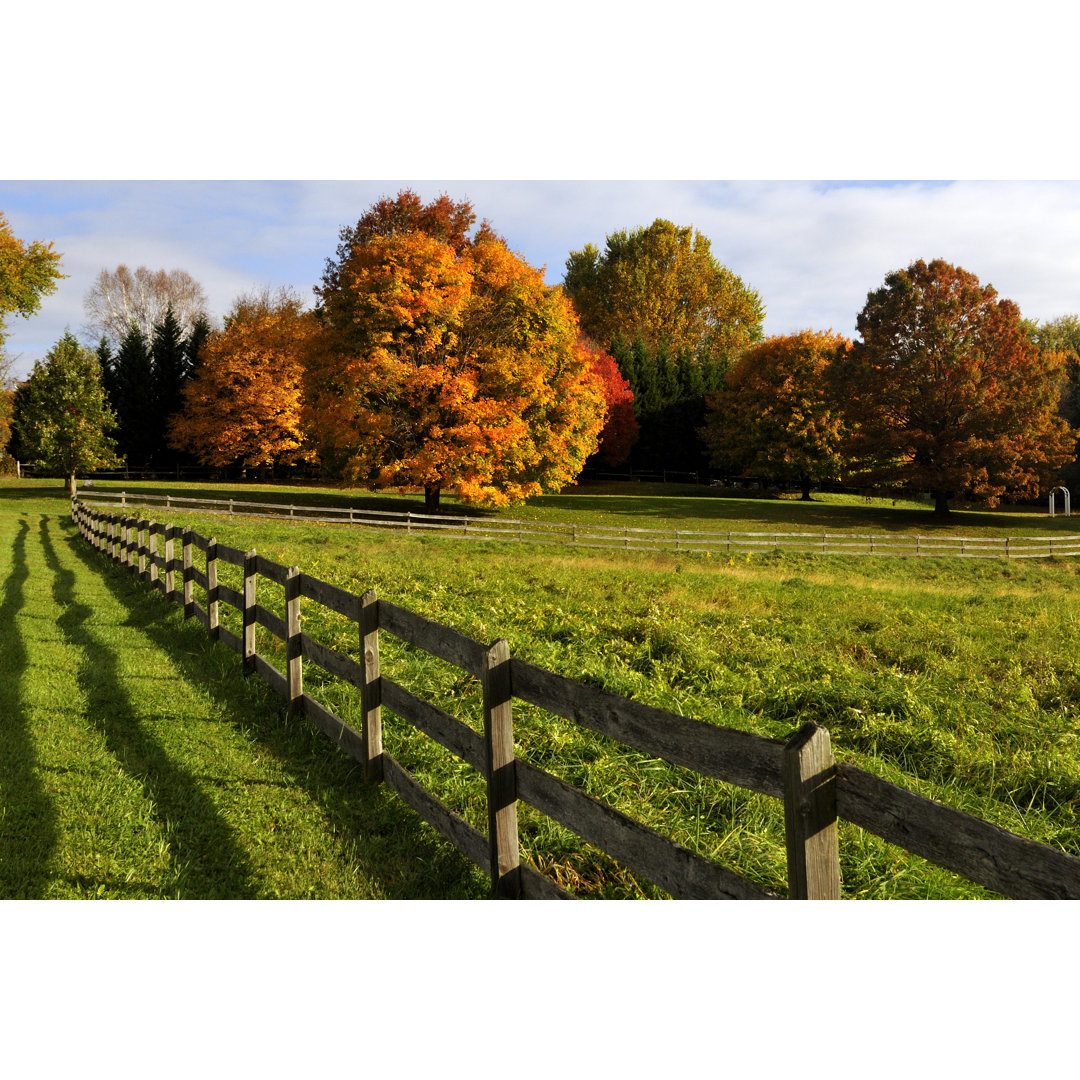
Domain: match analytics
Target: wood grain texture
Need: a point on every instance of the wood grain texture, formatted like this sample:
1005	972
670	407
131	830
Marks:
322	592
750	761
433	637
371	687
294	657
979	851
471	843
270	675
344	667
680	871
810	816
269	621
445	729
349	739
500	772
272	570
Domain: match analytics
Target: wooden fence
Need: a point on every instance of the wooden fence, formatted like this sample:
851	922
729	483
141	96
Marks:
624	538
815	789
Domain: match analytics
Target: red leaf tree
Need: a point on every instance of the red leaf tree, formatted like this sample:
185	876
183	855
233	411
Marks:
621	427
946	391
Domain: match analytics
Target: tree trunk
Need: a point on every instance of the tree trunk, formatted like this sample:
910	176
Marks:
431	498
941	503
71	486
805	489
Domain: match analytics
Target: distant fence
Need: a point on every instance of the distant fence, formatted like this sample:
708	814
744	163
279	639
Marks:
711	542
816	791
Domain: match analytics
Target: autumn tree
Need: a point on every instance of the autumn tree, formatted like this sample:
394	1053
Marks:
774	416
27	273
448	364
946	391
63	419
620	430
242	405
663	284
121	297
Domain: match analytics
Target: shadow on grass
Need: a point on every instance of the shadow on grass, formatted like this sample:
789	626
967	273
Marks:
27	818
389	845
208	862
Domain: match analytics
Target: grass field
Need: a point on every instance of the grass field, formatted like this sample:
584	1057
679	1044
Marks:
958	679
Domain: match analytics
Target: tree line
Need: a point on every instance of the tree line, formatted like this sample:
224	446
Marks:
436	358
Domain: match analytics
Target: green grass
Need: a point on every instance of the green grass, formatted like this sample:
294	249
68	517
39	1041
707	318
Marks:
138	763
958	679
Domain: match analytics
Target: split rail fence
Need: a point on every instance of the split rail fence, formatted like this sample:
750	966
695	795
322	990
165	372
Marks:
816	790
712	542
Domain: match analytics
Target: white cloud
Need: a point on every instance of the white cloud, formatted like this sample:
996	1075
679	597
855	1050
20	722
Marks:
812	250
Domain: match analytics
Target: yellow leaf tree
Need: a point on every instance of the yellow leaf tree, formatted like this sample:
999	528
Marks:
449	365
242	404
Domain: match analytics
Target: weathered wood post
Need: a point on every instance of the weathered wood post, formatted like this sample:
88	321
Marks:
294	658
151	543
250	581
810	816
371	690
189	572
170	560
501	774
212	589
141	545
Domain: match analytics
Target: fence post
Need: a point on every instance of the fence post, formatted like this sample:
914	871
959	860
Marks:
371	690
212	589
293	653
249	611
151	544
501	774
170	555
189	581
140	547
810	816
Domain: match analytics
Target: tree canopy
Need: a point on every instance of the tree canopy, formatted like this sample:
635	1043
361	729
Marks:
242	405
63	419
662	284
946	391
774	417
121	297
27	273
448	364
621	429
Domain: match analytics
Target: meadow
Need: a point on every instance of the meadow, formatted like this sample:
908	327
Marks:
954	678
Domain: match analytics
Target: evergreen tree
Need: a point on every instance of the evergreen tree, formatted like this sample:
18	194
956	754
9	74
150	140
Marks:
171	364
130	383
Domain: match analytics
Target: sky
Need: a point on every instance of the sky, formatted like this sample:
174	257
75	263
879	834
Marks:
812	250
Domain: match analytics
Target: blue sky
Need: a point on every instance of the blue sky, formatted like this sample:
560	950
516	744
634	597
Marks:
812	249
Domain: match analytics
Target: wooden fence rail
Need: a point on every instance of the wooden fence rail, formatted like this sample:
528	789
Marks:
696	541
800	771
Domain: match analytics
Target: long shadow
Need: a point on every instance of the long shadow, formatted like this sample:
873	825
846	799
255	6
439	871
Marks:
209	864
27	818
389	844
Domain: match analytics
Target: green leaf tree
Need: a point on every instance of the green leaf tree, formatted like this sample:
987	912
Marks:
63	418
662	284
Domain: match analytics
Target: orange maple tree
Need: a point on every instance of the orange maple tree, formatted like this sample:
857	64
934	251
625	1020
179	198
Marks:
446	365
242	404
774	417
